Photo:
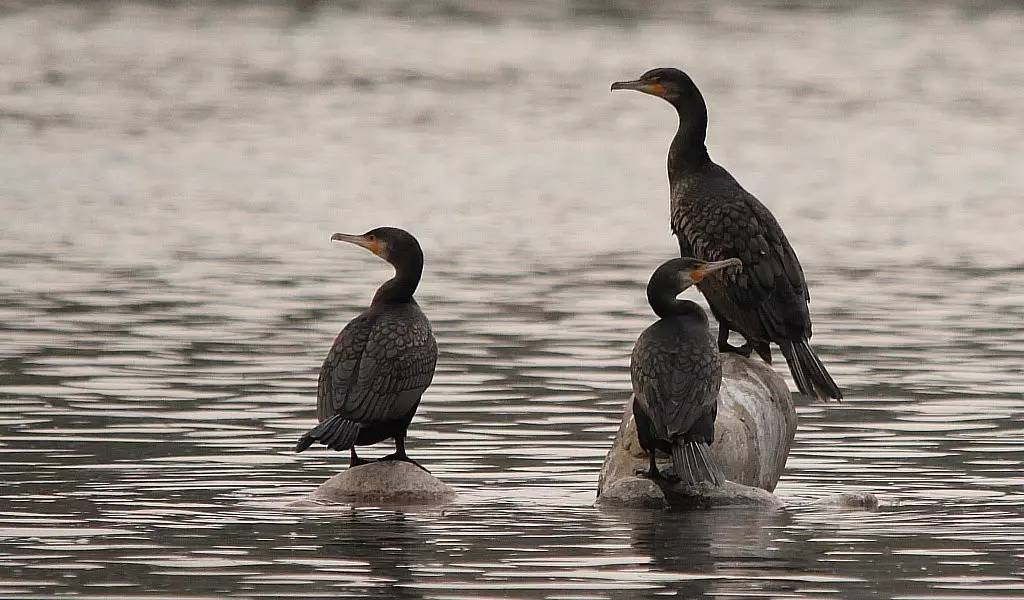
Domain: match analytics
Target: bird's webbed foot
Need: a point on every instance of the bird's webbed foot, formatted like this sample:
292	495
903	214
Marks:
744	350
657	476
355	461
402	458
651	472
648	474
726	348
764	351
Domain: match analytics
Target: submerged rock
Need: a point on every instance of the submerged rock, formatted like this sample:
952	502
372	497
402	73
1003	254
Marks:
848	501
753	433
639	492
727	494
389	482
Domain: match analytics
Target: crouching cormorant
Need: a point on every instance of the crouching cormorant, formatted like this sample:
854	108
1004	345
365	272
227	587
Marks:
677	374
381	362
715	218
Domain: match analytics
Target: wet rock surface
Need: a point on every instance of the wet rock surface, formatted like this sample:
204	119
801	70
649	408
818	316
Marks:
639	492
633	492
848	501
390	482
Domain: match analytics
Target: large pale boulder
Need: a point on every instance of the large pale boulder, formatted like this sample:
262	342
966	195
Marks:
388	482
753	433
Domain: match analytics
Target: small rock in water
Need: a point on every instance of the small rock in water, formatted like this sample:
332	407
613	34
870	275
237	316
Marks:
633	492
851	500
388	482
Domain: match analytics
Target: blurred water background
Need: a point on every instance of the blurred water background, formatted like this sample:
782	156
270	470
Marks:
171	174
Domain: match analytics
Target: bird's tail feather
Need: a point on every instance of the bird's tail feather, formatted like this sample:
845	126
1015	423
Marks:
694	464
814	368
809	373
336	433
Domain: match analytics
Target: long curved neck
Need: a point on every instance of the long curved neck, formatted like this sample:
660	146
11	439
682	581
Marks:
688	152
665	304
400	288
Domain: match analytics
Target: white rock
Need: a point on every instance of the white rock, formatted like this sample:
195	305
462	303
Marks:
389	482
753	433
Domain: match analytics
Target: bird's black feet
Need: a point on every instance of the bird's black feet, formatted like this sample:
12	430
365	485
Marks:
403	458
355	461
651	472
723	342
764	351
648	474
657	476
727	348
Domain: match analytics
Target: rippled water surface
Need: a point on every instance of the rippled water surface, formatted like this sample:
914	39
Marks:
167	292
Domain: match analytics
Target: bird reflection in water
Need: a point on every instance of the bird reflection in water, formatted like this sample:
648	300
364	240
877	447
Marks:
713	551
391	544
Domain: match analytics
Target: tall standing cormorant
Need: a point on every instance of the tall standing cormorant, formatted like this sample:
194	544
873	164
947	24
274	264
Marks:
714	218
381	362
677	374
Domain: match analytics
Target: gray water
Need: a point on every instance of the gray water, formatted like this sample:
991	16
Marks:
169	181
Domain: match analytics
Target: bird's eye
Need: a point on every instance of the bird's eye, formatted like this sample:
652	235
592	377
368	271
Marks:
371	237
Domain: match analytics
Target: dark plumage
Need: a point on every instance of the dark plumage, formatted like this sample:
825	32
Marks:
714	218
381	362
677	375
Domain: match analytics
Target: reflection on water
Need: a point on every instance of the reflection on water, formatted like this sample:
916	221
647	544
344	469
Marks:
168	293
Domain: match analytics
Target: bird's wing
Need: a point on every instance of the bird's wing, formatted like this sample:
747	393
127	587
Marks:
720	220
646	364
646	391
691	389
678	382
338	373
685	250
397	364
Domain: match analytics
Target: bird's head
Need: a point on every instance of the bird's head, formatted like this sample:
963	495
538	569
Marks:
677	274
390	243
673	85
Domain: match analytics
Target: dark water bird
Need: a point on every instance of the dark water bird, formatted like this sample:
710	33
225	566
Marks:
677	374
381	362
714	218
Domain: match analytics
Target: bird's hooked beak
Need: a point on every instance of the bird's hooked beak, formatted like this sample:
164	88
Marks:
641	85
699	273
370	243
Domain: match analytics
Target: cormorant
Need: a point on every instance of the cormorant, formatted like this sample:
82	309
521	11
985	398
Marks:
381	362
677	373
714	218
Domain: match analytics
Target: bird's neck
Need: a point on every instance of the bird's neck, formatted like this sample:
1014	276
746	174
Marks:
400	288
666	306
688	152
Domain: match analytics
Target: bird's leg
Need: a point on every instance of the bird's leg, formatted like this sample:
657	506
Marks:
725	346
355	461
765	352
652	471
400	453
